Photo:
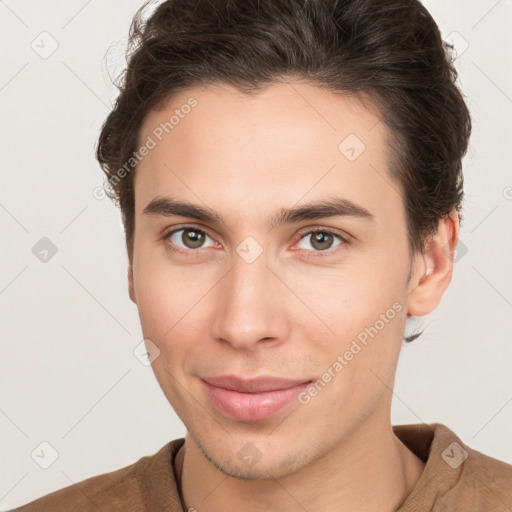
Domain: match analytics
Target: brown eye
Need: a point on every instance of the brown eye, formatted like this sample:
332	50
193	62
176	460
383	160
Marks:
193	237
321	240
188	238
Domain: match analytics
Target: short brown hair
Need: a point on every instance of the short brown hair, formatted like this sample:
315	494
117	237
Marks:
388	50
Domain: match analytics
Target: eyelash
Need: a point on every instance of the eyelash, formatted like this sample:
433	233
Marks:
318	254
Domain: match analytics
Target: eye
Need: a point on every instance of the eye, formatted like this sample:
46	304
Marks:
321	240
188	239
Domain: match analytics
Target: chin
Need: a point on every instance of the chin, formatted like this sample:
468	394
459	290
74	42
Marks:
245	460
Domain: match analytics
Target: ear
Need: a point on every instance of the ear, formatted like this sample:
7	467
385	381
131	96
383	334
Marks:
131	288
433	268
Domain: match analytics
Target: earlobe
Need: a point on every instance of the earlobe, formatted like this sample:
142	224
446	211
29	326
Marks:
131	288
433	268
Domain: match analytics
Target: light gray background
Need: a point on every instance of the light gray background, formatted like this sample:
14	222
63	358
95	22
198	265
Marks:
68	329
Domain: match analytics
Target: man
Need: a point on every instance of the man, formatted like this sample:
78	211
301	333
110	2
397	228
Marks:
289	176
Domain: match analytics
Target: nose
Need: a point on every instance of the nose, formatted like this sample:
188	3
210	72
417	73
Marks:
250	305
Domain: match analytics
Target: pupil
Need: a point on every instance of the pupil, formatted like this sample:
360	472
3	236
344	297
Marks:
192	237
319	236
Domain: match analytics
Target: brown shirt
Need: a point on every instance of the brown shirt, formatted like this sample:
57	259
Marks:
455	478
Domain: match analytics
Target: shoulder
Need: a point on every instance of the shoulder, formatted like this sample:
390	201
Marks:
491	478
456	476
480	483
122	489
89	494
472	465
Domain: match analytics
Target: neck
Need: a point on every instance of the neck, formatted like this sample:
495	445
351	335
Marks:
370	471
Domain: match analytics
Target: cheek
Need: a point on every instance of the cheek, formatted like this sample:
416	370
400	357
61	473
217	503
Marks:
168	295
362	313
347	299
362	354
173	302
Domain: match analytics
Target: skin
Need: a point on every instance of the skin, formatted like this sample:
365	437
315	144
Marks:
289	313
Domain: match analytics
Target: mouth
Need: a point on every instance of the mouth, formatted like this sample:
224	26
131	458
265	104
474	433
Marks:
252	399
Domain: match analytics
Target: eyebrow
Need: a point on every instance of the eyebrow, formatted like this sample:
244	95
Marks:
319	209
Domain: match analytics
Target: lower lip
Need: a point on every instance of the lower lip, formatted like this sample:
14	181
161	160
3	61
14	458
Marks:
252	406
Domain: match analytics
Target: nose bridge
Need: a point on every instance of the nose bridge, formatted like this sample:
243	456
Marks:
249	305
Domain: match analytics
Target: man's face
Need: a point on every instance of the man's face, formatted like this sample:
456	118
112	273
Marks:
251	299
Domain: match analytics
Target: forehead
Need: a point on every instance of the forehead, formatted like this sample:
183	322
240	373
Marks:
287	142
221	111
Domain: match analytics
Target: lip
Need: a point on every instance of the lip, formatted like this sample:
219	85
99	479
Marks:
252	399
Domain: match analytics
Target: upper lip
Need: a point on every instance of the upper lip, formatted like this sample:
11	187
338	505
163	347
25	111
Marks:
256	385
